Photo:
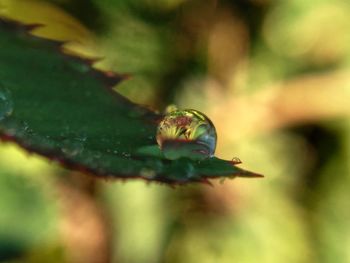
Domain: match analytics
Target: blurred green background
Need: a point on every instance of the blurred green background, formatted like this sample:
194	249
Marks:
274	77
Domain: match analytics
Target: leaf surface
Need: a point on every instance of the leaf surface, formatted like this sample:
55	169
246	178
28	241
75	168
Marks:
61	107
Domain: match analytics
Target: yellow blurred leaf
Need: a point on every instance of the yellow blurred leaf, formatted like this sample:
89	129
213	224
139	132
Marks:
58	24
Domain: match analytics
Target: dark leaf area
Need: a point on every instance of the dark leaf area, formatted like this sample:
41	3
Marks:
58	106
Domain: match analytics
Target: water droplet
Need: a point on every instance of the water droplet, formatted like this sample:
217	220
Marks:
27	130
6	104
148	173
98	155
81	67
125	154
82	138
236	160
72	147
186	133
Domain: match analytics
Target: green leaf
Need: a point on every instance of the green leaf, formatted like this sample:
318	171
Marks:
59	106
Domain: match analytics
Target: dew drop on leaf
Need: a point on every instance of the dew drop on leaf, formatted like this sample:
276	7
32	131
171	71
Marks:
72	148
236	160
186	133
148	173
6	104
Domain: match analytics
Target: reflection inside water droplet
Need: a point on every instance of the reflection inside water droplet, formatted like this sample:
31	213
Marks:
186	133
6	104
